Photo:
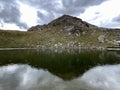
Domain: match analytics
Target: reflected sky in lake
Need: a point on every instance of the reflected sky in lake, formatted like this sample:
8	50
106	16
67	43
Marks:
25	77
48	70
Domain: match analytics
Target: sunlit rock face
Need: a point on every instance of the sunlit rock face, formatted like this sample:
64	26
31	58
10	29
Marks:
24	77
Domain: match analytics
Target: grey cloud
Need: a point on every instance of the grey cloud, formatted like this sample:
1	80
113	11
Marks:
78	6
52	7
114	23
9	13
44	4
45	18
116	19
56	8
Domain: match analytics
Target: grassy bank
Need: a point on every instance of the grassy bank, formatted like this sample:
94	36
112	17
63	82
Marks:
53	38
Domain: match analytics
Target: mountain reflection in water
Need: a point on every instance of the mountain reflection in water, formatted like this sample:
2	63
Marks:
66	65
25	77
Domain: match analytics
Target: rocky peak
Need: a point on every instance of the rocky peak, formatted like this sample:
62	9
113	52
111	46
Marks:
67	23
67	20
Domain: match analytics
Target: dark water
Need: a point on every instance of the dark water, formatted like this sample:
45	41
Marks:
66	70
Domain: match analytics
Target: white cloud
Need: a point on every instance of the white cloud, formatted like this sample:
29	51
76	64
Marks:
10	26
103	14
28	14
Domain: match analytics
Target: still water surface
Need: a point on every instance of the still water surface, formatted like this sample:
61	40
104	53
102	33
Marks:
65	70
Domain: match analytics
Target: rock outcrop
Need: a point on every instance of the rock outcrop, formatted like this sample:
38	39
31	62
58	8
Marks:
101	38
37	28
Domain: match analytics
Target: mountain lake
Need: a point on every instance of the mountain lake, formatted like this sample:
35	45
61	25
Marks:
37	69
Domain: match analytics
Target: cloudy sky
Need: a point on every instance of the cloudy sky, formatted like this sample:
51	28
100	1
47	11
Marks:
22	14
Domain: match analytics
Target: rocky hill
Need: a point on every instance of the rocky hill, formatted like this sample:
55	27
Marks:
67	20
67	23
63	32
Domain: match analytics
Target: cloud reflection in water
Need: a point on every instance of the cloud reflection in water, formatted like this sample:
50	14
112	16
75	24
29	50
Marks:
24	77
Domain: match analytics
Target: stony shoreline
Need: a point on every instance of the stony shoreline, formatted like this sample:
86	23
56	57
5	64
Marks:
59	48
16	48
